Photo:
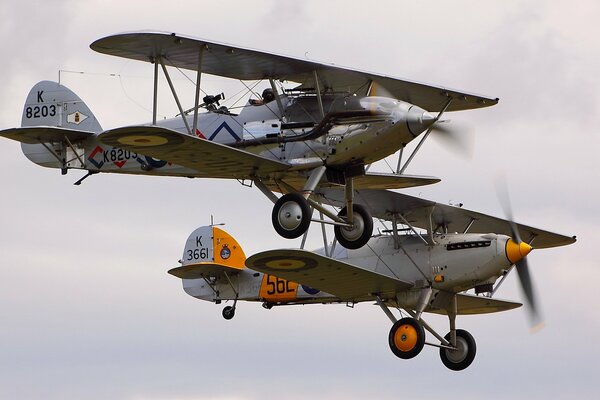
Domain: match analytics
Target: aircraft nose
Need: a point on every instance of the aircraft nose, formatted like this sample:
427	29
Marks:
418	120
516	251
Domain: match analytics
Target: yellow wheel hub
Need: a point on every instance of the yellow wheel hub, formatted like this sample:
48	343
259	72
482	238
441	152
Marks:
405	338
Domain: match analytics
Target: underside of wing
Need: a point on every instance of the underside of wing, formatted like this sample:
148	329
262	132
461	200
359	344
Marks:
367	181
469	304
391	181
345	281
236	62
426	214
44	134
211	160
203	270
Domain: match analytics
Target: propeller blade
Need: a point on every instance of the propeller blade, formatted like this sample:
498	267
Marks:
504	198
455	137
527	287
521	264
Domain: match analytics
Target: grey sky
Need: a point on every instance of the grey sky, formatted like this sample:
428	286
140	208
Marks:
87	309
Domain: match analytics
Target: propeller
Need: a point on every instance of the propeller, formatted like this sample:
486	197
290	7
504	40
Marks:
517	251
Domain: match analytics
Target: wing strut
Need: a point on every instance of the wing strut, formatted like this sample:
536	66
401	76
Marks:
155	98
277	98
197	98
318	88
162	64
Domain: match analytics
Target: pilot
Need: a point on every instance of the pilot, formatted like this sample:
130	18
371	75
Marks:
267	97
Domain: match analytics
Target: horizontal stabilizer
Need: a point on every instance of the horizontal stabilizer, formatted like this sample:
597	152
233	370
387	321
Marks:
203	270
44	134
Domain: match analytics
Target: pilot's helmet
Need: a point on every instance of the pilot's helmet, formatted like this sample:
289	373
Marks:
268	95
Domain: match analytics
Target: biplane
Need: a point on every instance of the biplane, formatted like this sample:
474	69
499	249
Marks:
322	132
420	265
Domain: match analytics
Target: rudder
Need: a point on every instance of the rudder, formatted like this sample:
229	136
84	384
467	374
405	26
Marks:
52	104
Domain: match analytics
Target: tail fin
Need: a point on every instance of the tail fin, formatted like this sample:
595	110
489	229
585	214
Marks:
52	104
210	251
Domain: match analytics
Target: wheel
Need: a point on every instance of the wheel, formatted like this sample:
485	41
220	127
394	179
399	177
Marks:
228	312
407	338
463	356
291	215
357	236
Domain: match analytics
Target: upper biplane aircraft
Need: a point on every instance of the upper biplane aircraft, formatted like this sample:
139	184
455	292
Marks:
421	266
319	134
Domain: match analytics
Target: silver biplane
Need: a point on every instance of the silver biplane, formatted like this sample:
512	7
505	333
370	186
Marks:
319	134
420	265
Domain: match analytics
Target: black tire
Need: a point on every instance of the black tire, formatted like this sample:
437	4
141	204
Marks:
291	215
228	312
459	359
358	236
407	338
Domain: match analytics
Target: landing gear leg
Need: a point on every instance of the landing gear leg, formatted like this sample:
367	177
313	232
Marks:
229	311
463	347
359	233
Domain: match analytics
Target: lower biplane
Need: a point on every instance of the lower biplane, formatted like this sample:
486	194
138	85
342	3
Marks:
318	132
420	265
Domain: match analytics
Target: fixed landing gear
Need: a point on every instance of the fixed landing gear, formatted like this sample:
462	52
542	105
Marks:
359	233
291	215
292	212
464	352
407	338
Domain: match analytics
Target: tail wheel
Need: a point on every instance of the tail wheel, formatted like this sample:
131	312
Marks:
359	234
228	312
291	215
463	356
407	338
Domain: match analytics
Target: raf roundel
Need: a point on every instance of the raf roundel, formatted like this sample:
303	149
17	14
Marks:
143	140
291	263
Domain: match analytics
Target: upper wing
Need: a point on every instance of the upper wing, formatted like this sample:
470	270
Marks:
236	62
426	214
211	160
39	134
347	282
